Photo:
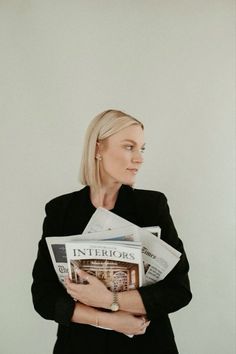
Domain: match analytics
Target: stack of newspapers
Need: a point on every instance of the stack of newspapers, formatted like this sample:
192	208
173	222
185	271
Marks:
121	254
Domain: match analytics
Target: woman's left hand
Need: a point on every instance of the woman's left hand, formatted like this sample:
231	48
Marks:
93	293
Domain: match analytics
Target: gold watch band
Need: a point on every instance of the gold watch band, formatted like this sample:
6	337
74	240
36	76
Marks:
115	304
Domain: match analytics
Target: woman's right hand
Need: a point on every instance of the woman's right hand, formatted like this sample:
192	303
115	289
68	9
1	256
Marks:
120	321
127	323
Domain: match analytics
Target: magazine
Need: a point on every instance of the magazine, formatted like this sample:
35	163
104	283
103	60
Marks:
159	258
118	264
57	249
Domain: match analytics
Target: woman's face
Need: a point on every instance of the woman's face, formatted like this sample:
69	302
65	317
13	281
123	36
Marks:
122	156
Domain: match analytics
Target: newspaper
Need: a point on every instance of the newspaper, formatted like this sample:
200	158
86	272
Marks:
57	248
155	230
159	258
118	264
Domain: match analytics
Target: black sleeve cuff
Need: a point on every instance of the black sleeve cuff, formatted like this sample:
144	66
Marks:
64	308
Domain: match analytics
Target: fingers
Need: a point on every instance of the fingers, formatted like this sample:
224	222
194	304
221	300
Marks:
85	279
84	275
72	293
73	289
143	326
141	330
67	281
139	327
70	288
144	323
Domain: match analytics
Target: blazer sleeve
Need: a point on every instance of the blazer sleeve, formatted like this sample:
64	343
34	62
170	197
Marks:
50	298
173	292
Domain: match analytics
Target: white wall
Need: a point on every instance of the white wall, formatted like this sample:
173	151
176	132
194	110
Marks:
171	64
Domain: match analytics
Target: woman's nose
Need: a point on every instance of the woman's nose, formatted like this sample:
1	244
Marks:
137	156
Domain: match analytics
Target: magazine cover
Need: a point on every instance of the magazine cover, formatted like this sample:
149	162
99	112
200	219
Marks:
118	264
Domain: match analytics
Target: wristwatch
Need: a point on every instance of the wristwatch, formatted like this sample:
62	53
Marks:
115	305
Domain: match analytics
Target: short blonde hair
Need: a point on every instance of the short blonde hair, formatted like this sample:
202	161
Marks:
101	127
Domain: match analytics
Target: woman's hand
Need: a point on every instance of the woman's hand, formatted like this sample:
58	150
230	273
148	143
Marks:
129	324
120	321
93	293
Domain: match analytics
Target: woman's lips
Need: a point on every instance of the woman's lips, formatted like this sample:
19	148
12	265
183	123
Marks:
133	170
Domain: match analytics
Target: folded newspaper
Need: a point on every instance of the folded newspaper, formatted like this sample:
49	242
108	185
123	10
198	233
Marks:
159	258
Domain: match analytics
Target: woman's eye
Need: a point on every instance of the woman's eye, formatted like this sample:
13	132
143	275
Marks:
128	147
142	150
131	148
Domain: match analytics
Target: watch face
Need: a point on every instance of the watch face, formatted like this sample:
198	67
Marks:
114	306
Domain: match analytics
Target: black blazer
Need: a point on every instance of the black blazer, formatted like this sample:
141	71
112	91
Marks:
68	215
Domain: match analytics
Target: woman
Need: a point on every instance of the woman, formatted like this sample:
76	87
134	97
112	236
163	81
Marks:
138	319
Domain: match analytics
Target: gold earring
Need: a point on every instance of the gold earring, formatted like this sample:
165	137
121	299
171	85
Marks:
98	157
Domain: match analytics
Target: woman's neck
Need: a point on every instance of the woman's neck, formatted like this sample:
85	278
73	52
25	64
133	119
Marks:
106	197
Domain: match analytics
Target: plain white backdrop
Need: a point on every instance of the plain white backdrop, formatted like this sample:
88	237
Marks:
172	65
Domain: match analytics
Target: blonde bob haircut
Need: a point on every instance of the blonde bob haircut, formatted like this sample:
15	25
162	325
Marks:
101	127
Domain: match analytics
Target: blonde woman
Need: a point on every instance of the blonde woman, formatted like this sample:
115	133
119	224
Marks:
112	156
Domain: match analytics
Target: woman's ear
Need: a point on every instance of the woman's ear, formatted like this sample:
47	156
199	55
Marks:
97	151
